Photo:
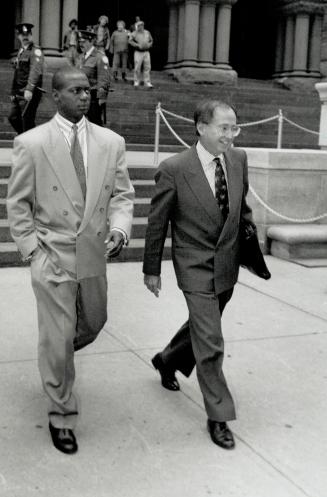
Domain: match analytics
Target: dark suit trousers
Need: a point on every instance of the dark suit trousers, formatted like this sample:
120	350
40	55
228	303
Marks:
199	341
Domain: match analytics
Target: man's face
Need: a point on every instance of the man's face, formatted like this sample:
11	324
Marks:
73	99
25	38
120	26
218	136
140	27
85	45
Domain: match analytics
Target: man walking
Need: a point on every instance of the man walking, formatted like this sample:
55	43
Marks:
69	179
26	91
202	193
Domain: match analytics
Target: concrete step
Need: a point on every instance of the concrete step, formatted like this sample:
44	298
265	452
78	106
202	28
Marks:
143	187
294	241
3	208
141	207
3	188
5	235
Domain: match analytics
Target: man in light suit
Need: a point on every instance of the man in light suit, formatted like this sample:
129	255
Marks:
201	192
70	205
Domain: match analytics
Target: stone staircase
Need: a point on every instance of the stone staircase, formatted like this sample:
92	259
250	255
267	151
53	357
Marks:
141	173
131	112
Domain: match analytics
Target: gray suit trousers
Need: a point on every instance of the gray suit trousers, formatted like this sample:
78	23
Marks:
70	315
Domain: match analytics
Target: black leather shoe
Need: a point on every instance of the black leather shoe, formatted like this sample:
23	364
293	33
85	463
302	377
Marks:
168	378
220	434
63	439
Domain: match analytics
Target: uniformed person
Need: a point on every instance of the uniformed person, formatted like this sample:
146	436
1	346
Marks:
26	89
95	64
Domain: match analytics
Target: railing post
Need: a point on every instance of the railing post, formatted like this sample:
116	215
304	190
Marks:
280	129
157	135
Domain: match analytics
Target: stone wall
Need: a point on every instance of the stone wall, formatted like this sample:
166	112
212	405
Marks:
324	47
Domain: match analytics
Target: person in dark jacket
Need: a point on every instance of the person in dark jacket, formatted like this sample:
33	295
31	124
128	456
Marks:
26	91
70	42
95	65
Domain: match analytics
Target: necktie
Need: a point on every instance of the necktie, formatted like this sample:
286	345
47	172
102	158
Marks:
221	188
77	158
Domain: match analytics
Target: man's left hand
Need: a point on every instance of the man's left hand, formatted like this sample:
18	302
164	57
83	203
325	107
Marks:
28	95
114	242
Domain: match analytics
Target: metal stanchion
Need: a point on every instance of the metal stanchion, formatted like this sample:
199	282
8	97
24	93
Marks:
280	129
157	135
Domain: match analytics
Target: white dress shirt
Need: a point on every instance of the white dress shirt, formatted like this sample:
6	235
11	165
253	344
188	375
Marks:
66	127
209	166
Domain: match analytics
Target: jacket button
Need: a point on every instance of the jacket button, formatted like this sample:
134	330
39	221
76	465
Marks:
101	209
107	187
99	233
65	213
55	188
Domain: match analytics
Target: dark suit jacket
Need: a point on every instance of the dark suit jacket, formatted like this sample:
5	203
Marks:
205	250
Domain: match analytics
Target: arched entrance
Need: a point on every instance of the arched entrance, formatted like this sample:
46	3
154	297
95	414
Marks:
253	36
155	18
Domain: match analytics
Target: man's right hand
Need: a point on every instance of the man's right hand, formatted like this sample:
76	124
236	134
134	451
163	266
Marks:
153	283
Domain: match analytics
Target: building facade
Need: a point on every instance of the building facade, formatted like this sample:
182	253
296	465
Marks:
200	40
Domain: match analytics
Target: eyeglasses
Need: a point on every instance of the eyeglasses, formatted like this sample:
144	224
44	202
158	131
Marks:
223	129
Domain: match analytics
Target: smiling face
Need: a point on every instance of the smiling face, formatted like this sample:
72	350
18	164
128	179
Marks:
72	95
211	136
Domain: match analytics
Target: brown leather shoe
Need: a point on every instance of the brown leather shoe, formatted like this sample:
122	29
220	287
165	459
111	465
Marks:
220	434
168	378
63	439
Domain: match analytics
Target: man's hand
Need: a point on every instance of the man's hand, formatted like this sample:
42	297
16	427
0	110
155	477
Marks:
102	101
28	95
153	283
114	242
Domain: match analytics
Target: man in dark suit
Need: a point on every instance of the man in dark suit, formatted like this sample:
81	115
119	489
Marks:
201	192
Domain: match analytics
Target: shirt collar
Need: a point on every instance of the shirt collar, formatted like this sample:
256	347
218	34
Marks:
67	125
205	157
88	53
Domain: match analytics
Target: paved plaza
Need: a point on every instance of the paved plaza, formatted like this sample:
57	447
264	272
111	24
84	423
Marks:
137	439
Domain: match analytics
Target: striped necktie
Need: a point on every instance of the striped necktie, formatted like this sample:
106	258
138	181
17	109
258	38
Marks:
221	188
77	158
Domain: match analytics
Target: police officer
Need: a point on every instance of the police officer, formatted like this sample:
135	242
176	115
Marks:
95	64
27	83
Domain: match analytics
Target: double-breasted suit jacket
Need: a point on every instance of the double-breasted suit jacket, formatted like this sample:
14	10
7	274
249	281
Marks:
45	202
205	250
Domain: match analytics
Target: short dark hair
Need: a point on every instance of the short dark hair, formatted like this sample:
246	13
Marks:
205	110
61	75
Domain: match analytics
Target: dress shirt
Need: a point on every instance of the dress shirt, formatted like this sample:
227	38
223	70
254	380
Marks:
66	127
209	166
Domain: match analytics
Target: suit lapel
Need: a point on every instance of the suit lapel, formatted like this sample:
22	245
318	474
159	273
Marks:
97	163
57	152
200	187
234	181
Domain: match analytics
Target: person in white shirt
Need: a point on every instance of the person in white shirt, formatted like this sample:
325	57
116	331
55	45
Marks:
69	181
142	42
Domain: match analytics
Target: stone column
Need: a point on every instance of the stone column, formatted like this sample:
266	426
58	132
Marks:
18	19
224	16
173	32
322	90
180	42
207	32
301	43
289	44
279	45
51	26
191	30
69	12
315	44
31	13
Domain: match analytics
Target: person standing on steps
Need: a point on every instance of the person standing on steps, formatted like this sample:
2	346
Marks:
142	42
26	90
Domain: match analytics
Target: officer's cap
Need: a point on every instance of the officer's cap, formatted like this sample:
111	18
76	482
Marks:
24	28
86	35
73	21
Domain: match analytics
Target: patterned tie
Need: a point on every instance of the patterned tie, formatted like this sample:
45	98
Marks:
221	188
77	158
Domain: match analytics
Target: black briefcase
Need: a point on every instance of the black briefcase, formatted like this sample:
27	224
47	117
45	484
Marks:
251	255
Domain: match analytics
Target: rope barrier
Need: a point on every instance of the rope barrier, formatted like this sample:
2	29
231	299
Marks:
300	127
160	113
